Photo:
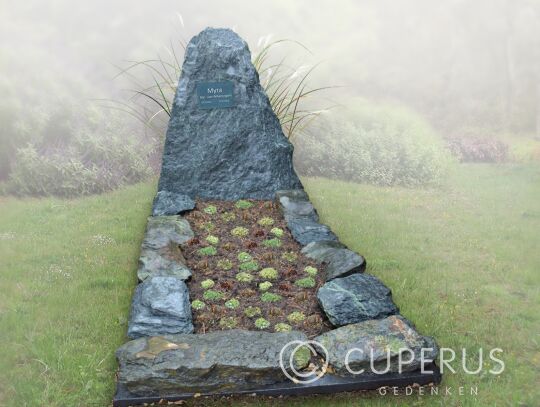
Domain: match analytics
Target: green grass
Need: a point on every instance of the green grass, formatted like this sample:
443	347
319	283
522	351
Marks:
463	263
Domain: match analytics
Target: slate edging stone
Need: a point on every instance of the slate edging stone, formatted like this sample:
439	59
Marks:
171	203
226	360
355	298
385	339
160	306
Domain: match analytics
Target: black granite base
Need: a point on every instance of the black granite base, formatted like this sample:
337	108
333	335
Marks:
327	384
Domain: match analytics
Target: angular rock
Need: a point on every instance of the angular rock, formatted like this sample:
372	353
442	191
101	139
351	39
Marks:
295	203
224	153
226	360
163	231
356	298
162	262
170	203
340	261
378	340
160	306
305	230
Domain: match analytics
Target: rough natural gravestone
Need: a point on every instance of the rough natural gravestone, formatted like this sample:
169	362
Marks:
237	150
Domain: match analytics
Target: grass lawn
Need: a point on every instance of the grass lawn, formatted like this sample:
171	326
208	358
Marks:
463	262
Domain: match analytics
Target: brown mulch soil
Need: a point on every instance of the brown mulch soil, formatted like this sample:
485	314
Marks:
294	298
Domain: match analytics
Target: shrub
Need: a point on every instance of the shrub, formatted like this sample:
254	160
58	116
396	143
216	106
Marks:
243	257
213	240
212	295
89	159
198	305
268	273
306	282
310	270
233	303
262	323
207	251
210	210
239	231
478	149
382	145
266	221
278	232
296	317
270	297
243	204
273	243
265	286
282	327
244	277
251	312
206	284
225	264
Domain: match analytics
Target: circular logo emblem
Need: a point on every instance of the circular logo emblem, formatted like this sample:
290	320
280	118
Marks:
314	373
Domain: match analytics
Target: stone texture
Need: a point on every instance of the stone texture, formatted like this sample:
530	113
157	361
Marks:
160	251
163	231
228	360
224	153
356	298
163	262
301	217
170	203
385	339
160	306
340	261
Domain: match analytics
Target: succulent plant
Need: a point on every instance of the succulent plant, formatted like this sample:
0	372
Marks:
265	286
244	277
268	273
277	232
282	327
311	271
210	210
262	323
239	231
228	322
270	297
289	256
213	240
249	266
225	264
232	303
266	221
306	282
207	251
206	284
275	242
243	257
252	311
212	295
197	304
243	204
296	317
228	216
208	226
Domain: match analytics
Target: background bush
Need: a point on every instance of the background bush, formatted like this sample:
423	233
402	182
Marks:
90	154
376	144
470	148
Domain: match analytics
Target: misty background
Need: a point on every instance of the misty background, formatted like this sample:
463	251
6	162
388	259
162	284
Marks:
454	76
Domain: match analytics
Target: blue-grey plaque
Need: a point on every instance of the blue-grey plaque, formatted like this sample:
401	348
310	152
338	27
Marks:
214	95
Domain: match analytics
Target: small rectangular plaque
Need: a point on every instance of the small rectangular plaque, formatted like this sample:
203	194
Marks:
214	95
